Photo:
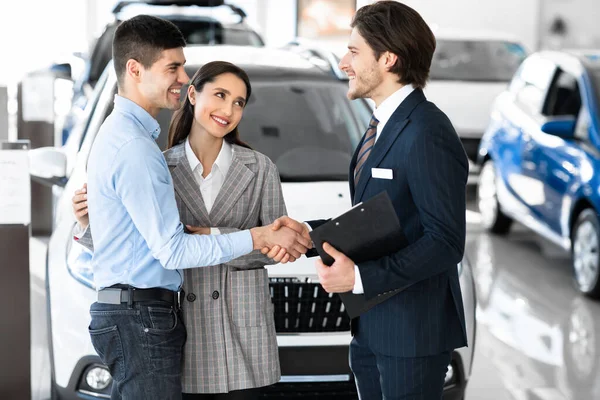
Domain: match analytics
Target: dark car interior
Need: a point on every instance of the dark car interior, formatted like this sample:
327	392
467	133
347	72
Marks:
564	98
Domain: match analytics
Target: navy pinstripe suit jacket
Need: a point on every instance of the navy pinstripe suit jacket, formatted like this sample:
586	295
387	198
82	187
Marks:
430	171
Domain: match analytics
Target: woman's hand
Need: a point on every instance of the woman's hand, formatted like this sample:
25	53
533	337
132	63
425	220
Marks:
197	230
80	208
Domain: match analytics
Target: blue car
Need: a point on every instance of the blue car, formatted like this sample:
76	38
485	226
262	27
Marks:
540	158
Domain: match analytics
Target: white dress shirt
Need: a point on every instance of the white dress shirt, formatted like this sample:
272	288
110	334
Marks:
383	114
212	183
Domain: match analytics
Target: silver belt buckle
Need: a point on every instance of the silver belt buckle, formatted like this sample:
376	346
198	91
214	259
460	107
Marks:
109	296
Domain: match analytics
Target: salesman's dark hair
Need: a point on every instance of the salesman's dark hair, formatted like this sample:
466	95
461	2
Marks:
395	27
143	38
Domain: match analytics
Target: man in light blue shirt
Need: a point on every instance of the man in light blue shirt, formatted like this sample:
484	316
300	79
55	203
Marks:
139	242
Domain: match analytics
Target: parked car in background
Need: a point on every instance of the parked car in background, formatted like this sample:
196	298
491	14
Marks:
202	22
469	69
540	158
299	116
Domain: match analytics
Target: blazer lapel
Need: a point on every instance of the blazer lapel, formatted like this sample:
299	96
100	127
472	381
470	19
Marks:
186	185
391	131
237	180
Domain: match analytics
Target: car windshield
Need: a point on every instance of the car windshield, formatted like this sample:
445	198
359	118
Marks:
212	32
309	129
476	60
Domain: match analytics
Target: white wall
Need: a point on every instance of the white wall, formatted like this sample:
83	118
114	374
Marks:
516	17
277	20
34	32
581	18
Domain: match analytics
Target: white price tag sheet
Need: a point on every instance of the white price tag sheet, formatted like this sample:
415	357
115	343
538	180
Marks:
15	187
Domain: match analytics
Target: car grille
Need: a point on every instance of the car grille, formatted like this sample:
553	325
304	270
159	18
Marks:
310	391
303	306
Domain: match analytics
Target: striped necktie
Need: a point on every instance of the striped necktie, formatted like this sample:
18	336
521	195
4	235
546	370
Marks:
366	148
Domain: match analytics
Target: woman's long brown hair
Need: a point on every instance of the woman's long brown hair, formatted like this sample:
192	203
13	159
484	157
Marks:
181	123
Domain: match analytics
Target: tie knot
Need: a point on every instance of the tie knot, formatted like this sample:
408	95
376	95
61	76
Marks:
373	123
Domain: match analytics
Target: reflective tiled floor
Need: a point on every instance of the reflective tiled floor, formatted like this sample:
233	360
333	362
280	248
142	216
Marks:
537	338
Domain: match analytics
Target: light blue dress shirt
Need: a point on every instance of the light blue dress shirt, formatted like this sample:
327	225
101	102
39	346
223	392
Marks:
138	237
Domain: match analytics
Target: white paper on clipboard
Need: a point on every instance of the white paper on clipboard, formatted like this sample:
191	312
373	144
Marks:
15	187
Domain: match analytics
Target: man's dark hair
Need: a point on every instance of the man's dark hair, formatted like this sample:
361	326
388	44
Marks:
397	28
143	38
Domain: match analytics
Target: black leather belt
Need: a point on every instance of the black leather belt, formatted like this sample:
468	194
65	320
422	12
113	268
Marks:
118	294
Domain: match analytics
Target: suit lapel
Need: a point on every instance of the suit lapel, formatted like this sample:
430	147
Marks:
390	133
186	185
237	180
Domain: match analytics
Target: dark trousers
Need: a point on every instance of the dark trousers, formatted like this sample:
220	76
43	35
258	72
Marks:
246	394
142	346
380	376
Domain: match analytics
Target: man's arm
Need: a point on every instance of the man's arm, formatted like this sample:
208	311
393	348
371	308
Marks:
272	207
143	183
437	171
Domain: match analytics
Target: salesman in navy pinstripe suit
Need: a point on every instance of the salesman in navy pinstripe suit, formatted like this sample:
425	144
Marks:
401	348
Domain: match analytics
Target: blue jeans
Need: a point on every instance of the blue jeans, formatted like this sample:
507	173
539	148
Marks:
142	347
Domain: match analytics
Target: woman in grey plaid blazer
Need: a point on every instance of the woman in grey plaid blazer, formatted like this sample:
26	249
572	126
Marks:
221	186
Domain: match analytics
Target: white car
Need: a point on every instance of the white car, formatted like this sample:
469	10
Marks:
468	71
299	116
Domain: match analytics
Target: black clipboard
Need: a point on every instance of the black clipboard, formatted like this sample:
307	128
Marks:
368	231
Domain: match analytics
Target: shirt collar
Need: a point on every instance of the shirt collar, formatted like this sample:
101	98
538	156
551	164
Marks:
148	121
223	161
385	110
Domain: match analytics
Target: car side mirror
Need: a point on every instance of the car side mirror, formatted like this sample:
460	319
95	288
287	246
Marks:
62	70
48	165
562	127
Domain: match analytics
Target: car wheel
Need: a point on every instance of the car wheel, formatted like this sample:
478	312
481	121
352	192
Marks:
585	244
492	217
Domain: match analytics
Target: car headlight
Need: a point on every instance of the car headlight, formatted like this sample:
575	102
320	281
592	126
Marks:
98	378
79	264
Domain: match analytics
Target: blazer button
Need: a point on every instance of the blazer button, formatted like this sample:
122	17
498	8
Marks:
191	297
215	295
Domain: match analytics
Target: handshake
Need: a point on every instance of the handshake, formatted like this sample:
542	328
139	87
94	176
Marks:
285	240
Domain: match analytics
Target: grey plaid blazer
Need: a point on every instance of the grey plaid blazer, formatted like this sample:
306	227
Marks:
227	309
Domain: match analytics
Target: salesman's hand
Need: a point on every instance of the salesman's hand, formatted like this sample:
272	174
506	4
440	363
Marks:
339	277
197	230
287	239
80	208
286	221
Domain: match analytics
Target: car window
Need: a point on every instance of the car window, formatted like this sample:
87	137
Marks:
595	75
476	60
564	97
101	54
532	84
308	129
210	31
